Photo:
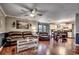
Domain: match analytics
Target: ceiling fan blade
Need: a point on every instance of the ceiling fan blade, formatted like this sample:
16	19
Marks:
34	11
28	10
24	11
42	11
24	6
40	14
25	15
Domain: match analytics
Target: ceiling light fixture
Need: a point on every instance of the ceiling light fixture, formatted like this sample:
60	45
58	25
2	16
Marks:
32	15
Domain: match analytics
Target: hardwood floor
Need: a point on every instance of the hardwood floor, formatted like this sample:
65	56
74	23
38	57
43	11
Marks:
66	48
77	50
45	48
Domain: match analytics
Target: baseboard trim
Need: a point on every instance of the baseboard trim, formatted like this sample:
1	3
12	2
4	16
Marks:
2	47
76	44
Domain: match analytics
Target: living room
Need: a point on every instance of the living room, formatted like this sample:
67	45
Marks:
34	29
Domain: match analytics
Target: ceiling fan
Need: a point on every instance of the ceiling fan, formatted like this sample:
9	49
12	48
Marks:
31	11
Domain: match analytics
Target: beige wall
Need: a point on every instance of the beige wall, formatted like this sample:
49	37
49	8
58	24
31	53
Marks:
2	22
10	20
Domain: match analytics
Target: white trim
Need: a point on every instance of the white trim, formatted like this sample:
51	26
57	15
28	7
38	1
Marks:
2	32
6	14
11	16
18	18
3	11
14	16
1	48
77	32
76	44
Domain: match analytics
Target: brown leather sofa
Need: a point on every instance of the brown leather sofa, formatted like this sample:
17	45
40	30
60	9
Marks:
13	36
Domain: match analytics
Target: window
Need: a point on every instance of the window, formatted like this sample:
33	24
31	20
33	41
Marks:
43	27
40	28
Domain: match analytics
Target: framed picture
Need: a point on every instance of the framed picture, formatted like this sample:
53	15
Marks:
23	25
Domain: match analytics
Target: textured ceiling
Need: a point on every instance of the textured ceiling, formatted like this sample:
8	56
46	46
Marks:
53	11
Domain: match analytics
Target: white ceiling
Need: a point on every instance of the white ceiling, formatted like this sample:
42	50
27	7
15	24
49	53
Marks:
53	11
